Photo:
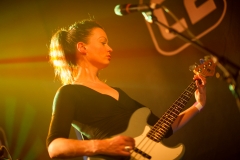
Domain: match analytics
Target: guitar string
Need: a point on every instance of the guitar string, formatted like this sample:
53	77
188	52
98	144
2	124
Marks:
151	143
190	91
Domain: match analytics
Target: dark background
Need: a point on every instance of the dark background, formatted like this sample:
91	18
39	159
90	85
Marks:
28	85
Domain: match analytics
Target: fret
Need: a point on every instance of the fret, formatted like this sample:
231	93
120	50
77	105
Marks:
164	123
173	109
157	133
174	113
167	122
170	115
180	102
187	92
186	96
155	138
161	130
176	107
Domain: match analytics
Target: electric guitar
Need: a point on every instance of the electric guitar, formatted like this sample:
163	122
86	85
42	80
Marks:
148	139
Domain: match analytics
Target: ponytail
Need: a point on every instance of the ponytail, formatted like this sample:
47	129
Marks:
61	56
63	48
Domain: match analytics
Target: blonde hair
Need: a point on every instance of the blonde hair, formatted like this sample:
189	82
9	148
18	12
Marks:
63	48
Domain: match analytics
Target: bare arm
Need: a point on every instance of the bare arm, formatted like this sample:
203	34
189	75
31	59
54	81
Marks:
68	148
187	115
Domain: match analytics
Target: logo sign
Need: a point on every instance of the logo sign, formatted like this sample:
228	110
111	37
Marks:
192	18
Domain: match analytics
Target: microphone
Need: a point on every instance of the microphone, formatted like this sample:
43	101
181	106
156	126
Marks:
124	9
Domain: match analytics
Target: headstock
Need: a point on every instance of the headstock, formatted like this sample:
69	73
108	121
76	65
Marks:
206	68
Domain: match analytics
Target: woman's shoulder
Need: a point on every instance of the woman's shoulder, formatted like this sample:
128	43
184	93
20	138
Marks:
70	88
118	89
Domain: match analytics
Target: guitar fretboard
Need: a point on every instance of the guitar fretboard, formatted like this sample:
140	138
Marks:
164	123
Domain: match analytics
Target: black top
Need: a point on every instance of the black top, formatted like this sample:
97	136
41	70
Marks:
98	115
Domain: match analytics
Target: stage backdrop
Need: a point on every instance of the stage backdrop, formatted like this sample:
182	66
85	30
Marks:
148	63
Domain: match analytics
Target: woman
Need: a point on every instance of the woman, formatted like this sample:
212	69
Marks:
91	106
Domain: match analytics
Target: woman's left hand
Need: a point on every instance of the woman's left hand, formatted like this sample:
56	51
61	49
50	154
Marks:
200	93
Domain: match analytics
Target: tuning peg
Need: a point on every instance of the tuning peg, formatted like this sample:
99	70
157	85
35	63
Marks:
192	67
202	61
207	57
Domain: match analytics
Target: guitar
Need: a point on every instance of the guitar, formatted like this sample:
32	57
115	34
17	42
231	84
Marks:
148	139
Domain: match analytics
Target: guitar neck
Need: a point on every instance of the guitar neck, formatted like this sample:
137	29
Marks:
164	123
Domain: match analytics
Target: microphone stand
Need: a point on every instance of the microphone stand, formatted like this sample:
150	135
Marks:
230	78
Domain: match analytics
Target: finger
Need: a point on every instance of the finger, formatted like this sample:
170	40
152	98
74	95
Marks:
201	79
129	140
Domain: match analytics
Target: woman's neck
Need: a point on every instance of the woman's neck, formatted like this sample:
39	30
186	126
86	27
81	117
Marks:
86	75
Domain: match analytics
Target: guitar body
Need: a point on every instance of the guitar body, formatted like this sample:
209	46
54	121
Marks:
138	128
146	148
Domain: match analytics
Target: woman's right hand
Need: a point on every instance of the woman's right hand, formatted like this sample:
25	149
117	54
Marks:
118	145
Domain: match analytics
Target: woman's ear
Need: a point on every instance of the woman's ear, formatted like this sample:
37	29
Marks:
81	48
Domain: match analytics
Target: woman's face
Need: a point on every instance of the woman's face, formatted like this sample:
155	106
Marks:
98	52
